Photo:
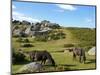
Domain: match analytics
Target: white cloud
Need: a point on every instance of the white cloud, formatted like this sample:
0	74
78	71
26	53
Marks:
67	7
17	14
88	20
21	17
27	19
59	10
13	6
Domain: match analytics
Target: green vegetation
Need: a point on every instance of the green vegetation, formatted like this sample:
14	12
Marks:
27	45
18	57
68	45
62	38
64	62
85	36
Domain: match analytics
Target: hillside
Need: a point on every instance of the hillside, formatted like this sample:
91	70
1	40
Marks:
74	37
85	36
78	36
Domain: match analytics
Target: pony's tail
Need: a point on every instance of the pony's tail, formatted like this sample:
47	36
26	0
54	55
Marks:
84	58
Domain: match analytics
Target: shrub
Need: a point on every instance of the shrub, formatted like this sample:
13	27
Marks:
57	35
15	36
41	38
27	45
19	39
18	57
26	40
23	40
68	45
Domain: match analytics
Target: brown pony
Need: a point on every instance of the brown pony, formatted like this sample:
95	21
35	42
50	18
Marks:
41	56
78	52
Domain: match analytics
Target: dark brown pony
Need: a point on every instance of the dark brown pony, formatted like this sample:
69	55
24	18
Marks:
41	56
78	52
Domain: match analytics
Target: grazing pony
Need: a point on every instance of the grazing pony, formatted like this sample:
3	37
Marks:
78	52
41	56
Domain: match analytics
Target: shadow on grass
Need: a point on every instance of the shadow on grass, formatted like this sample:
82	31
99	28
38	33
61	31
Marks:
59	51
21	63
90	61
68	65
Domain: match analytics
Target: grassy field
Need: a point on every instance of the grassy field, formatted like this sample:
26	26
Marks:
63	59
64	62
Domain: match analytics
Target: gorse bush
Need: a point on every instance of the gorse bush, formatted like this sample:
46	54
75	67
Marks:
15	36
27	45
52	36
26	40
41	38
68	45
56	35
20	39
18	57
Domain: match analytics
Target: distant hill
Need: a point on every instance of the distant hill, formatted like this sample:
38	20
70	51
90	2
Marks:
85	36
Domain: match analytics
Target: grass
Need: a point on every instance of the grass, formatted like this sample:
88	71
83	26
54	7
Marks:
56	48
85	36
65	62
50	45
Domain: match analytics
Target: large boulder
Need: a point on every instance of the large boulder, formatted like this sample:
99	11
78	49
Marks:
92	51
31	67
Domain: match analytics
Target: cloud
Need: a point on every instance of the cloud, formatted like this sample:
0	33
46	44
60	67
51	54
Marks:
27	19
88	20
21	17
17	14
59	10
67	7
13	6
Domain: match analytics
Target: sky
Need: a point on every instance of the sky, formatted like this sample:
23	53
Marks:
63	14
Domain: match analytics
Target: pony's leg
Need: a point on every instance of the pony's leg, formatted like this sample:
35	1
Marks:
44	61
80	59
41	61
31	58
74	57
84	59
39	70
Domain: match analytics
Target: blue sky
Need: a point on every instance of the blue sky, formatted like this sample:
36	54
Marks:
65	15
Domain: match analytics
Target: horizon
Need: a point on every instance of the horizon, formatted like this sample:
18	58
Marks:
65	15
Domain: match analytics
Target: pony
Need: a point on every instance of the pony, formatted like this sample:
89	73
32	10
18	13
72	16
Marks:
78	52
41	56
